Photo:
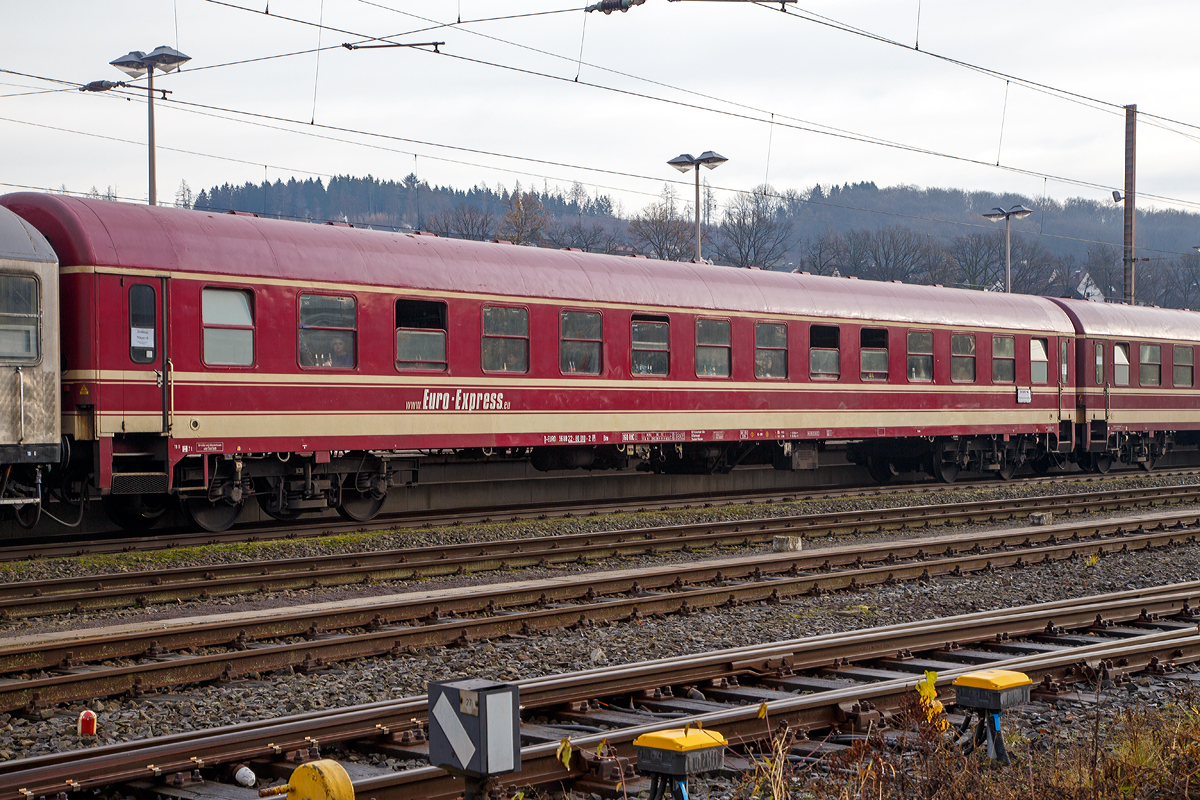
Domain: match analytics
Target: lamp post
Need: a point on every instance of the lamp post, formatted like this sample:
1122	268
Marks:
997	214
684	163
135	65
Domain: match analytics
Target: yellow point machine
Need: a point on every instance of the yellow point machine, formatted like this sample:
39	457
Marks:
987	693
670	756
317	780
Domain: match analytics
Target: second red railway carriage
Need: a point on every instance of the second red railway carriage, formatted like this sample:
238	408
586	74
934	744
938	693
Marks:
224	357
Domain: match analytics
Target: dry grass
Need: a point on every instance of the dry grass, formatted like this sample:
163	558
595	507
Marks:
1137	753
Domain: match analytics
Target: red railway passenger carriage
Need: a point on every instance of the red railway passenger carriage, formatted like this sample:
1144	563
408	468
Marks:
1137	396
224	358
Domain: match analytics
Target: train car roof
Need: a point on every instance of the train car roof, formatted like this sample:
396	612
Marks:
1115	320
20	241
243	247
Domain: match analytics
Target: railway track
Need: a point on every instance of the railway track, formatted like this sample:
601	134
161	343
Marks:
50	669
70	545
829	686
81	594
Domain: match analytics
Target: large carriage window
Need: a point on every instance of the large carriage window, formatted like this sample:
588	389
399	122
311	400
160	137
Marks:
18	318
1004	359
920	355
713	344
1039	361
580	345
1150	365
421	335
824	362
770	350
651	353
227	316
873	354
327	331
505	339
1062	361
1121	364
143	321
1099	363
962	358
1184	360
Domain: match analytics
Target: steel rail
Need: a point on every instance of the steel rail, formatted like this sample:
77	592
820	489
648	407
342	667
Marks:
768	656
541	764
394	626
124	590
130	761
66	546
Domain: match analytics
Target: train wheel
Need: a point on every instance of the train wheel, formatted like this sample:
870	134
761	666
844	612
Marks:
135	512
1101	463
1148	464
880	469
284	515
209	516
1008	470
267	494
946	473
360	507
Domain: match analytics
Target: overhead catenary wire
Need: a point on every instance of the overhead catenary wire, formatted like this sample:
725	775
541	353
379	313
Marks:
800	125
259	116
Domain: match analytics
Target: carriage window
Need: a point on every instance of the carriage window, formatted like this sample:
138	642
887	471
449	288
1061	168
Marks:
712	347
327	331
1121	364
1062	361
1184	360
143	321
421	335
18	318
824	358
1004	359
505	339
1150	365
962	358
1039	361
651	354
1099	363
770	350
227	316
920	355
873	354
579	347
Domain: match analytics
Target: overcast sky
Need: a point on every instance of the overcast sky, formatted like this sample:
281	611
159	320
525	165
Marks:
662	79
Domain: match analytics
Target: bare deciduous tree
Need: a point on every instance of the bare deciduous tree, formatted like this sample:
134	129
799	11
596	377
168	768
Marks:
820	255
1103	263
896	254
754	230
526	220
184	197
979	260
1036	271
463	221
1184	282
591	237
662	233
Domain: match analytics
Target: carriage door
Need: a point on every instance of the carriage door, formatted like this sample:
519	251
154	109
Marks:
1065	395
146	381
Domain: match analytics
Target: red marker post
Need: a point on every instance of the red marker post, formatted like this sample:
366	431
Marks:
87	723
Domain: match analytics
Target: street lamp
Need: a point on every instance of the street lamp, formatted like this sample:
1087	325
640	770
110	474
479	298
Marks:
684	163
997	214
135	65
